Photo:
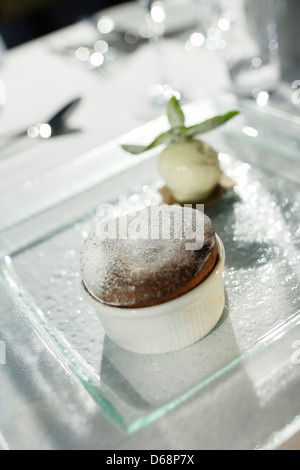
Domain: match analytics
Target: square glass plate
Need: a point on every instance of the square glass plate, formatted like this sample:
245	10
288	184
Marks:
258	222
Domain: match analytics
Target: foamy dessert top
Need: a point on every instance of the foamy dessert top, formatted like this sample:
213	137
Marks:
150	257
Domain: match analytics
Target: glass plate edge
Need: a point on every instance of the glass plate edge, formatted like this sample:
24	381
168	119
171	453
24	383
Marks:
64	354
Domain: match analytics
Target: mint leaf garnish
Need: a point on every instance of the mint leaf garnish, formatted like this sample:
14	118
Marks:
166	138
208	125
178	131
175	114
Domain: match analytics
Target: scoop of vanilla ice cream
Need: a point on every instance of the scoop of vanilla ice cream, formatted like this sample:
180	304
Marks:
191	170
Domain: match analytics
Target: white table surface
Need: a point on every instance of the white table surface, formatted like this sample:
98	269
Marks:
38	82
42	406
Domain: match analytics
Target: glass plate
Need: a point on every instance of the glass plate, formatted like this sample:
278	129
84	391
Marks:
258	222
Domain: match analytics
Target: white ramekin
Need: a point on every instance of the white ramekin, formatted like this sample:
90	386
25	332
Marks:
169	326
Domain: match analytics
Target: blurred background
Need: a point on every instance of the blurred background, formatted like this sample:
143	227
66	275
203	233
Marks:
23	20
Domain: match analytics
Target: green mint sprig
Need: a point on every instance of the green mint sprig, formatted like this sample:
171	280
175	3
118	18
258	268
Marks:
178	132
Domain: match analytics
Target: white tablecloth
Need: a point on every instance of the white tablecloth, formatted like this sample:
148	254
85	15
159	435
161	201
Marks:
38	82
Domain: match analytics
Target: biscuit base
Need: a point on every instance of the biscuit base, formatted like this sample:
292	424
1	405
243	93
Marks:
225	184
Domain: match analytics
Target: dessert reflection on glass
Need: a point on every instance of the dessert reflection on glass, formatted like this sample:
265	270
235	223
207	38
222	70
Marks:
155	278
